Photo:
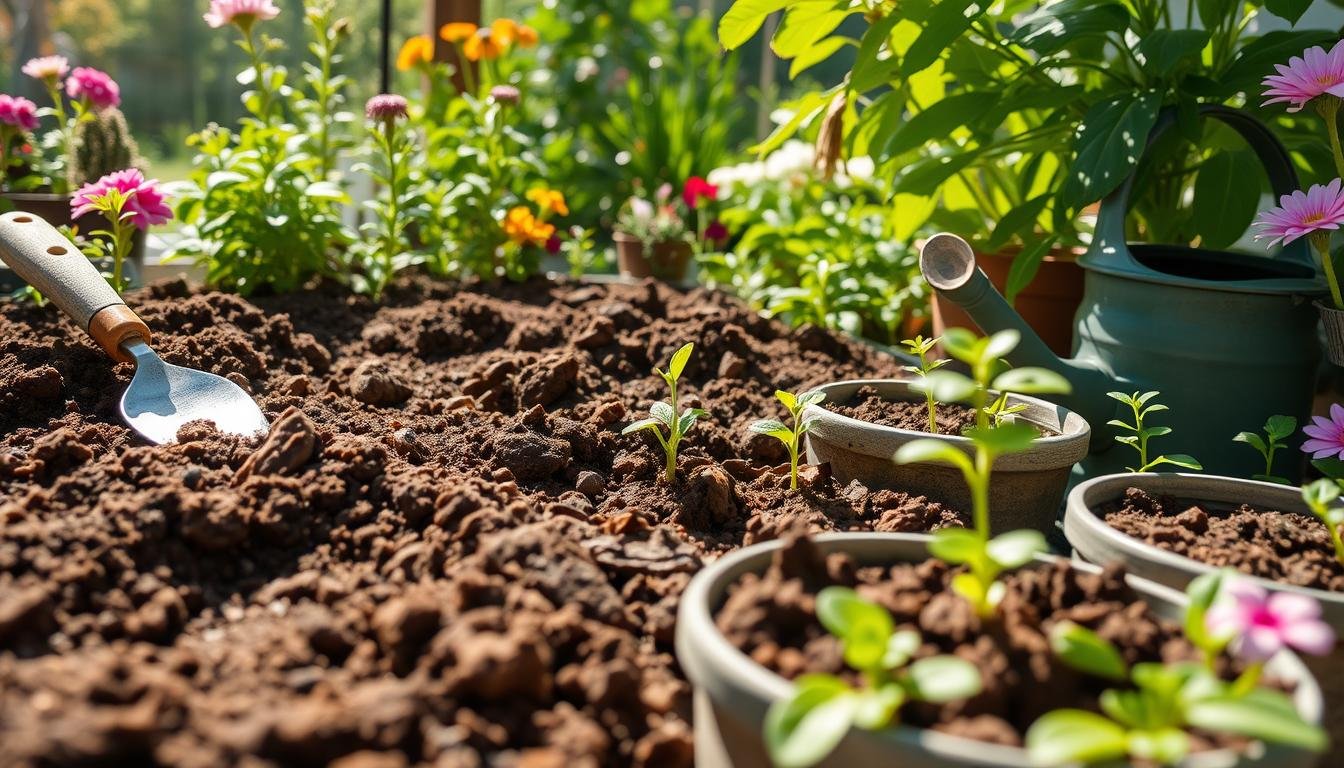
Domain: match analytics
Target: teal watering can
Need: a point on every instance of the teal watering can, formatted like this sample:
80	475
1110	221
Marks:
1228	339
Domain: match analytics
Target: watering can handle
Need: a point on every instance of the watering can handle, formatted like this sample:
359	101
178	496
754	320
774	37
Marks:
1273	156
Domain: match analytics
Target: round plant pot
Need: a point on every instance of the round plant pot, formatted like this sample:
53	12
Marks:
1026	489
732	692
1333	321
1096	542
55	209
667	260
1048	304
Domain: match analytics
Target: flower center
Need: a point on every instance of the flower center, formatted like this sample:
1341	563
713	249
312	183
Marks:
1312	218
1263	617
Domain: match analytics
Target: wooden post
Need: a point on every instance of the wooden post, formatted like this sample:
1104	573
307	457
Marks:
440	12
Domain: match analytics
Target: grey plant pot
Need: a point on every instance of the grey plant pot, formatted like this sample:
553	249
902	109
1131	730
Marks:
1026	489
1096	542
732	692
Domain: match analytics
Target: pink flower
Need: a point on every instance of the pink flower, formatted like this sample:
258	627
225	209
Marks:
1303	213
1314	73
48	69
505	94
1327	435
97	87
18	112
243	13
143	197
696	190
716	231
1262	624
386	107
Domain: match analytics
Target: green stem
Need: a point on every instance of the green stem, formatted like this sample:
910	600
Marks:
263	92
670	472
393	213
1329	110
1247	680
984	462
122	238
63	121
1321	242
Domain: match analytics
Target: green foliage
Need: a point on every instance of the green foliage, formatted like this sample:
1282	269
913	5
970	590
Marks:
1140	434
1149	720
1322	499
102	144
664	414
384	251
984	557
790	436
920	347
804	728
581	253
1277	429
116	240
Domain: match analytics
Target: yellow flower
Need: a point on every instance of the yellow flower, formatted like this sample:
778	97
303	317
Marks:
482	45
549	200
527	36
416	52
524	228
457	31
505	31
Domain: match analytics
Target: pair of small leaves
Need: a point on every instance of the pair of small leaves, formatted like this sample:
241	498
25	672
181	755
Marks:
663	417
1006	551
1069	736
1182	460
781	431
677	364
796	403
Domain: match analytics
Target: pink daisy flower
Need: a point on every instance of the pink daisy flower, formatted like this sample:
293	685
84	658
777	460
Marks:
1303	213
1327	435
243	13
1314	73
386	107
143	197
101	91
18	112
48	69
1262	624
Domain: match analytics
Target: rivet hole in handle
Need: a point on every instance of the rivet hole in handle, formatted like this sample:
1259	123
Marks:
1109	244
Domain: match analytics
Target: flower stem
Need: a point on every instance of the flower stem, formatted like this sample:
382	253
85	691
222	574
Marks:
67	136
393	213
1321	242
1329	110
264	110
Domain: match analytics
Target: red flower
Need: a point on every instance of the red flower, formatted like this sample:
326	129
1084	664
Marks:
716	232
553	244
696	189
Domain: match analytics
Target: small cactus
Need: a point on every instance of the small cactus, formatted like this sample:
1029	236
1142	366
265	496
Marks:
102	144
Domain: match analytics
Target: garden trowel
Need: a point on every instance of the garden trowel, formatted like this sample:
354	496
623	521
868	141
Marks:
161	397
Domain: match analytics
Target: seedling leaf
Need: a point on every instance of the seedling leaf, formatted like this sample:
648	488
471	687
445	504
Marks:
900	647
641	424
945	386
663	412
961	344
1016	548
862	626
1041	381
1008	438
787	399
679	360
944	678
1180	460
1259	716
877	708
1280	427
1000	344
802	730
1251	439
1086	651
956	545
935	451
1075	736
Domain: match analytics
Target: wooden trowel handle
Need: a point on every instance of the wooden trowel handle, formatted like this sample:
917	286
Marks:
52	264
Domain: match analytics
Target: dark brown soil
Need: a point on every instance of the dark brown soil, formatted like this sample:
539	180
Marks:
443	554
772	619
867	405
1282	546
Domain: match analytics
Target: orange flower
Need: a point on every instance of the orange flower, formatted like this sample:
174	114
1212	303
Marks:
416	52
457	31
523	228
482	45
505	31
527	36
549	200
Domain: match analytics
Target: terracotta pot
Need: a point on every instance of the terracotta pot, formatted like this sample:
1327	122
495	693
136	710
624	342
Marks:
1096	542
665	261
1026	489
732	692
1333	321
1048	303
55	209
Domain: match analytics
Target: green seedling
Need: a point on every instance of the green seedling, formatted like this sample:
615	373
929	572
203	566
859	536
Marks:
984	557
665	416
1322	498
1000	409
921	347
803	729
1149	719
791	437
1277	429
1140	434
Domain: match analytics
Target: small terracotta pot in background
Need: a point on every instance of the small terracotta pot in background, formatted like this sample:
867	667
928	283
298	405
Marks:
1048	303
665	261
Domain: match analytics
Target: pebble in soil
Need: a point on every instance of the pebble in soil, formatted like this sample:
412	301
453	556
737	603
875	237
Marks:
444	553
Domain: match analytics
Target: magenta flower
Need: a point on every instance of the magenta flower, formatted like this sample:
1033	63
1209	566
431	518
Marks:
505	94
1314	73
97	87
1261	624
1318	209
1327	435
143	197
716	231
386	107
48	69
243	13
18	112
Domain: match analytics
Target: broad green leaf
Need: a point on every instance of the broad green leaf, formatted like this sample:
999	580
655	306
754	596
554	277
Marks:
687	420
816	54
811	398
1019	220
1000	344
1108	144
926	176
864	627
945	386
1162	49
1086	651
1129	708
802	730
1031	381
1258	57
1252	439
1258	717
878	122
787	399
900	647
1180	460
768	426
943	678
1321	493
1155	431
1075	736
1007	438
679	360
871	68
968	586
876	709
1016	548
1025	266
1227	195
1056	26
1331	467
938	121
663	412
805	108
805	23
1289	10
935	451
961	344
1164	746
957	545
1122	397
948	20
1280	427
642	424
744	17
1202	591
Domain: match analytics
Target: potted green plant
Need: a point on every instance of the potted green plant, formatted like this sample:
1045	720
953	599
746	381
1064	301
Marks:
658	237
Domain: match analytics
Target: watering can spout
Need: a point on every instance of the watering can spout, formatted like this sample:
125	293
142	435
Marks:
948	264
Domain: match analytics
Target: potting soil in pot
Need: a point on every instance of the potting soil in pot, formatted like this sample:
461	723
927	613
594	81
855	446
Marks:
444	552
772	619
867	405
1281	546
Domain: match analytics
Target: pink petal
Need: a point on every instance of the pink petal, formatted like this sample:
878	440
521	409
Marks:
1259	643
1312	637
1290	607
